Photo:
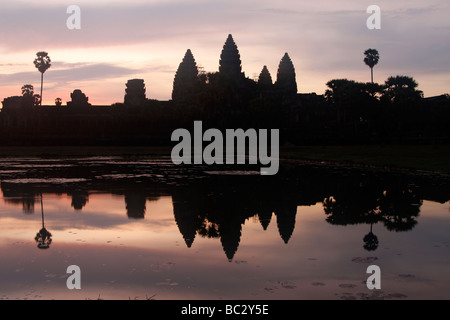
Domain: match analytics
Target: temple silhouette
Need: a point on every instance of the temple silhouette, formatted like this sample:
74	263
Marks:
348	112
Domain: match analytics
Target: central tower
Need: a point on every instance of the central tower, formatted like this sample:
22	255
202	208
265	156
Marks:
230	59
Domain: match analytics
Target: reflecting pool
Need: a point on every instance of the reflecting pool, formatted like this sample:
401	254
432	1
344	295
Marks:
142	228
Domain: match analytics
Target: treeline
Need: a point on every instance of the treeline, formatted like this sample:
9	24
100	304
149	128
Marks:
348	112
394	111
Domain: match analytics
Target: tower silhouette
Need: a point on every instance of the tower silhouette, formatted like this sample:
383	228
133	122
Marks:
185	78
230	60
230	236
286	220
265	215
135	204
265	79
186	219
286	81
135	92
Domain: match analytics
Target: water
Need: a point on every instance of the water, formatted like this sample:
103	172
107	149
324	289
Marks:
142	228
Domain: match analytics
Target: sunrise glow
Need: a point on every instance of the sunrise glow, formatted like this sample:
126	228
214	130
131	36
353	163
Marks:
147	40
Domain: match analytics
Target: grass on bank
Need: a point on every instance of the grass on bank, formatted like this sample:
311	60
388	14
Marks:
417	157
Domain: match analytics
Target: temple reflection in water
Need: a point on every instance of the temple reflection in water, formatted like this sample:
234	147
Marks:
216	205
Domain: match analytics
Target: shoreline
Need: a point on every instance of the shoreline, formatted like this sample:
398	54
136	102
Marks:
419	158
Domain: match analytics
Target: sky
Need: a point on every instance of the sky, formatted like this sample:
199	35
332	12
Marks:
122	40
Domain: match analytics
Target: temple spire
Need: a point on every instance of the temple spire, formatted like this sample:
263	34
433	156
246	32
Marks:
230	59
265	79
185	77
286	82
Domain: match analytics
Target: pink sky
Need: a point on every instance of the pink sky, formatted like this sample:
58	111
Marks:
147	40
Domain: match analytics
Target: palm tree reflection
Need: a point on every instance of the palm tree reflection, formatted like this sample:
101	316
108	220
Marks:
43	237
397	207
370	240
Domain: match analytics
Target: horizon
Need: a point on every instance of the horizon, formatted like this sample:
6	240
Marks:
122	41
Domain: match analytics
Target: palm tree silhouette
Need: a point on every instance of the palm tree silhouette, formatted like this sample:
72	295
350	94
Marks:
42	63
43	237
402	89
371	59
27	90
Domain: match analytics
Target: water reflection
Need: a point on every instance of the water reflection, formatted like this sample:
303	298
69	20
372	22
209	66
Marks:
43	237
213	205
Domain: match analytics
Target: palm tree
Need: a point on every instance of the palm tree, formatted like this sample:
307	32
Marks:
42	63
402	90
371	59
27	90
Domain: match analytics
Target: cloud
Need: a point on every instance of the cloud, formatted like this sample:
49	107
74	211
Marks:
33	26
67	73
62	78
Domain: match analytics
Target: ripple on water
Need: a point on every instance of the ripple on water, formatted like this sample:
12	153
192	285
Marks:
45	180
364	260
